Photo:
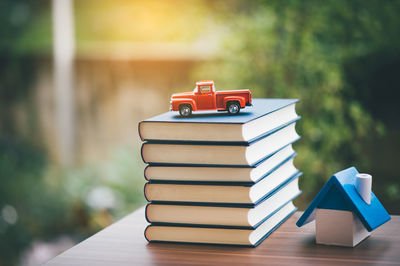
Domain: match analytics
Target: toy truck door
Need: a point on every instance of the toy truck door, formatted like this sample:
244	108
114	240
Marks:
205	97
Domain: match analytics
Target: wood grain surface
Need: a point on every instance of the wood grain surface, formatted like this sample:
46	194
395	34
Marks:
123	243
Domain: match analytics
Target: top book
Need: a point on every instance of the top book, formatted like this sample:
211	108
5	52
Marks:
253	123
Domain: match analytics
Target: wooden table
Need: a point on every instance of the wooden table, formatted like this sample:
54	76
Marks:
123	243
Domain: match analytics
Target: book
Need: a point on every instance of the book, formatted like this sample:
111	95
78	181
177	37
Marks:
248	195
225	236
249	125
249	174
247	217
218	153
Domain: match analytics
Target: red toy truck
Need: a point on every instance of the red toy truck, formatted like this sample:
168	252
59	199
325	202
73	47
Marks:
204	97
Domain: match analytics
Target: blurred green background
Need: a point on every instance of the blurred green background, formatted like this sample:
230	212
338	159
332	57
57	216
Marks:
340	58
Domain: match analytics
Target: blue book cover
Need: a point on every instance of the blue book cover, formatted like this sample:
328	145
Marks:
233	206
215	165
218	145
221	244
224	204
260	108
222	183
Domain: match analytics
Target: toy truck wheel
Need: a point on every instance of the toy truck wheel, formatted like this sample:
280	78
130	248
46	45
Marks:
233	107
185	110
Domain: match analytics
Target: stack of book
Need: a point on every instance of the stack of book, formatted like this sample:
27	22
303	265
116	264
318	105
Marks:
215	178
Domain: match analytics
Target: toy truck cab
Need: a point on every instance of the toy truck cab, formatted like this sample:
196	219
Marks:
205	97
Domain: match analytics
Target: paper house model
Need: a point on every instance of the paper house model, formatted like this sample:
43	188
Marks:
345	210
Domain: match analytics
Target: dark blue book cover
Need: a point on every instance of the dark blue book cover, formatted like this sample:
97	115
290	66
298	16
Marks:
223	183
224	204
261	137
260	108
215	244
229	226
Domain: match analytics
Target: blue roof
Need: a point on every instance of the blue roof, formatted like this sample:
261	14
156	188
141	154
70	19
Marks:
339	193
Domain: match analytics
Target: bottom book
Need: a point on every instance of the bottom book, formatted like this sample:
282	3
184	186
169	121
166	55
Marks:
222	236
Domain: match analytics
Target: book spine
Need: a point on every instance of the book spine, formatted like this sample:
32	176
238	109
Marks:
145	213
142	153
145	233
140	131
145	172
145	193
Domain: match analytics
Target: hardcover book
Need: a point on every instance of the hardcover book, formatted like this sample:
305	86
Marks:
220	153
245	127
216	235
248	195
223	216
219	173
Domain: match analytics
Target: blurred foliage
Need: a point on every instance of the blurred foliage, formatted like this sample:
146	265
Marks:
39	201
29	208
302	49
17	69
25	200
115	185
25	27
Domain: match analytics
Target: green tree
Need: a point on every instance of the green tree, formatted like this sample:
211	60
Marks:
298	49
